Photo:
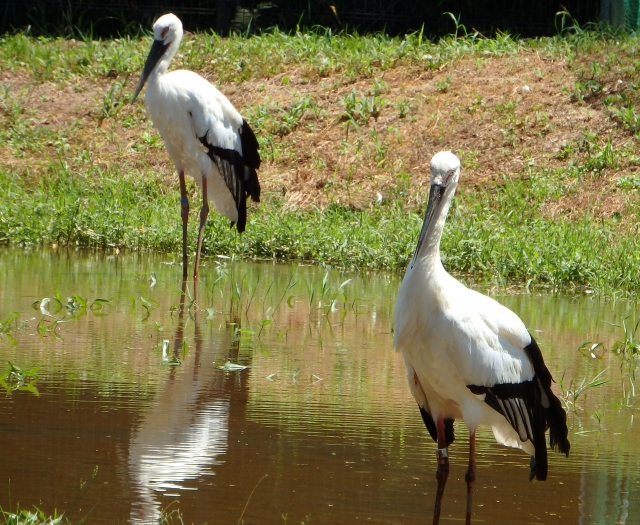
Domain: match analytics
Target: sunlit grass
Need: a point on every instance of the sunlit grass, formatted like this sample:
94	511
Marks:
512	242
237	58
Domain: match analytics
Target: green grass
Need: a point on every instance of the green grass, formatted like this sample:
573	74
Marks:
30	517
500	231
238	59
37	517
512	243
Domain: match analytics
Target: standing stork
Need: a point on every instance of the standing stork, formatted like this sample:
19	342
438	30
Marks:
204	135
469	357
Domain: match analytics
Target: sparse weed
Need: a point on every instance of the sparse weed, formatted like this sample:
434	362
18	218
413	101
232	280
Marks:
17	379
381	147
629	345
585	90
274	119
30	517
571	394
379	87
623	109
598	157
404	106
359	108
9	325
171	517
629	182
477	104
444	84
113	100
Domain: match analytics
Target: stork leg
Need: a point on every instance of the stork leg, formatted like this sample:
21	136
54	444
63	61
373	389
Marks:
470	476
443	468
204	213
184	202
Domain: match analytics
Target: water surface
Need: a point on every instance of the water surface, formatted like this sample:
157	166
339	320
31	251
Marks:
120	431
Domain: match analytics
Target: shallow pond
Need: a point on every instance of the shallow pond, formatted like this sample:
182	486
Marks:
320	428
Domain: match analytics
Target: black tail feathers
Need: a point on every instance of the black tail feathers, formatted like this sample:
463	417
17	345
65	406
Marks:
433	431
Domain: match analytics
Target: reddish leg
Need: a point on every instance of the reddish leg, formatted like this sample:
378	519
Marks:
204	212
443	468
470	476
184	202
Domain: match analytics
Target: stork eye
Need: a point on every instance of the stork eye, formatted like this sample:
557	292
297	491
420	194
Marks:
164	32
449	175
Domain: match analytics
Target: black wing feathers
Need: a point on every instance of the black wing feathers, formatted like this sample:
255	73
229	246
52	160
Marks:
252	160
250	146
238	170
231	167
555	415
520	404
531	408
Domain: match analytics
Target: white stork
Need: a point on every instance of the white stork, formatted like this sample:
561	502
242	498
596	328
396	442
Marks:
204	135
469	357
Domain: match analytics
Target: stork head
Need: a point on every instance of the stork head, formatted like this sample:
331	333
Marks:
445	169
445	172
167	33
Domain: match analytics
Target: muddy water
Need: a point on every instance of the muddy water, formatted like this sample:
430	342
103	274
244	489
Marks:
320	428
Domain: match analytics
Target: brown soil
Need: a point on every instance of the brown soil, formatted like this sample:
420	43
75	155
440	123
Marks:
504	116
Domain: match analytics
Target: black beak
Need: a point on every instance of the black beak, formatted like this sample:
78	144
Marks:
155	54
435	197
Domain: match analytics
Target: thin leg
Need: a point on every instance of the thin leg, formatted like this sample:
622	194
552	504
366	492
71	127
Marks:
184	202
470	477
443	468
204	212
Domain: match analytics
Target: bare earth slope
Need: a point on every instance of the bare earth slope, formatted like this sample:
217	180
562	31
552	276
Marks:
331	139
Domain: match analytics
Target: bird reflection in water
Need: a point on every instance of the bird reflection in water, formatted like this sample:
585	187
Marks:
183	435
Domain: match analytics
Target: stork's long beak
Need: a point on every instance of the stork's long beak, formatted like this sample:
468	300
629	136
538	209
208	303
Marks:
435	198
155	54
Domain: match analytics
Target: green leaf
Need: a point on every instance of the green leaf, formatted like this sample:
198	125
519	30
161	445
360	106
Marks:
97	304
14	369
30	387
80	300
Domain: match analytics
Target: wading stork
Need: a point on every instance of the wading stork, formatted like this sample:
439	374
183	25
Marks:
469	357
205	136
